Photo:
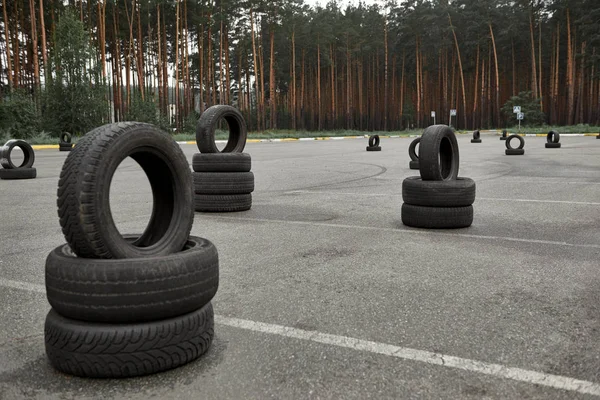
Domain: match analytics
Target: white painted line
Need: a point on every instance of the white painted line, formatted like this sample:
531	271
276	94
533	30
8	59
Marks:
306	138
405	353
406	231
540	201
548	182
337	138
340	193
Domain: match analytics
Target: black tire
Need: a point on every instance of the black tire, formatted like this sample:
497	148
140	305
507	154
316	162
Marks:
438	154
221	162
83	192
437	217
374	148
553	145
457	193
223	182
519	138
502	137
553	137
412	149
65	137
135	289
207	124
6	150
374	141
222	203
65	146
19	173
476	136
504	133
413	164
96	350
514	152
475	140
598	137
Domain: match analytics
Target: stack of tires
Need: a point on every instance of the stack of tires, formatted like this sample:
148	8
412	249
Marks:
438	199
511	151
65	142
476	137
374	143
11	171
412	153
128	305
553	140
222	179
504	135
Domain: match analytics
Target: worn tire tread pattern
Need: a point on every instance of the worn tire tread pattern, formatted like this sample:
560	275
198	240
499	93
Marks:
457	193
437	217
221	162
223	182
222	203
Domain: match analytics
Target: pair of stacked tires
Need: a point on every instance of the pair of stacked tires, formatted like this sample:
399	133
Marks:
438	199
553	140
65	142
11	171
128	305
374	143
222	179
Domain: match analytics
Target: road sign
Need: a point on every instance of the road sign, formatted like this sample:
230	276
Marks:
520	116
453	113
516	109
433	114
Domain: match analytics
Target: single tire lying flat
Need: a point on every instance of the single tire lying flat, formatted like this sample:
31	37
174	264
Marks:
223	182
221	162
65	146
413	164
83	192
6	150
510	139
95	350
502	137
65	137
457	193
374	141
222	203
514	152
135	289
19	173
412	149
475	140
553	137
438	154
553	145
437	217
373	148
207	124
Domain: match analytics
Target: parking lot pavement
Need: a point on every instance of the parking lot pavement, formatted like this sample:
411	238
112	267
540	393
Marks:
325	294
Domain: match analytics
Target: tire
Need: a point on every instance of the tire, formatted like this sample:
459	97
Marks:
514	152
438	154
437	217
458	193
65	137
412	149
476	136
223	182
502	137
553	137
475	140
222	203
135	289
207	124
504	133
19	173
96	350
598	137
83	192
221	162
374	141
413	164
553	145
374	148
519	138
65	146
6	150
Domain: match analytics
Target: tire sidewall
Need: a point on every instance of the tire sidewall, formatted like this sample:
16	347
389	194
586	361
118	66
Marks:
412	149
429	153
207	124
519	138
6	151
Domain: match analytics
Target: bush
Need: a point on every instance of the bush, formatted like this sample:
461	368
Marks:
19	118
529	106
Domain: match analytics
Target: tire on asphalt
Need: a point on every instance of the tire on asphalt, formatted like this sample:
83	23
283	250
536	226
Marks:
437	217
553	145
65	137
475	140
84	185
207	124
374	141
373	148
19	173
476	135
519	138
223	182
504	133
100	350
6	150
412	149
456	193
553	137
438	154
65	146
222	203
413	164
514	152
221	162
135	289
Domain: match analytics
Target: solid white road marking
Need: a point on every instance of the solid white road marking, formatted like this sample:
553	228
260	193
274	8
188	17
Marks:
540	201
404	353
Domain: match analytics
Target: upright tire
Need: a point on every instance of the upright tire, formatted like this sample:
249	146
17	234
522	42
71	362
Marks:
65	137
476	135
519	139
207	124
221	162
438	154
6	151
374	141
412	149
553	137
437	217
83	192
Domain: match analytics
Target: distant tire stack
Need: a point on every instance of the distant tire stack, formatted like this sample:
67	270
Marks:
222	179
438	199
504	135
65	142
11	171
412	153
476	137
125	306
511	151
553	140
598	137
374	143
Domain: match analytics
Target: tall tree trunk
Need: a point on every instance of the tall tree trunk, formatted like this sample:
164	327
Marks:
348	80
221	91
272	81
540	66
257	94
34	51
534	89
497	77
320	110
475	126
418	70
44	48
332	58
9	74
177	103
402	91
514	68
556	73
227	76
385	77
570	72
462	78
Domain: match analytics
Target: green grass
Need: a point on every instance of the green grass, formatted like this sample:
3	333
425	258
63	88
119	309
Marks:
581	128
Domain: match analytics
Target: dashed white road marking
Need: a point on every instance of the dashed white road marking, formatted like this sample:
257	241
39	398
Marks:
404	353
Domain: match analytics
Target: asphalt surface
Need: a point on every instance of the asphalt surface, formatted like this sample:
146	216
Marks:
324	250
